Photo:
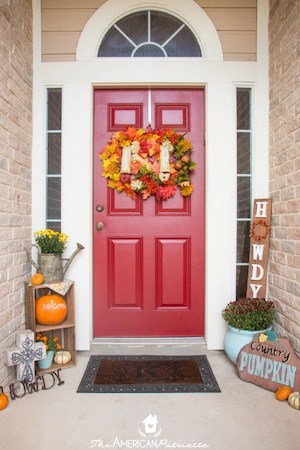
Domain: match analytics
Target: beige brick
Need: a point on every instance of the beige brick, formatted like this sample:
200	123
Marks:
294	233
284	267
290	220
15	167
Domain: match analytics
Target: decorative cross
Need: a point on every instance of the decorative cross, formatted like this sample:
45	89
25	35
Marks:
23	355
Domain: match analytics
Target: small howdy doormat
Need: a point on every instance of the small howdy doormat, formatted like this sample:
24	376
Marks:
146	374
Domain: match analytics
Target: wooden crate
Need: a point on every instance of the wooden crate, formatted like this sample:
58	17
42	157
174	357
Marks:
64	331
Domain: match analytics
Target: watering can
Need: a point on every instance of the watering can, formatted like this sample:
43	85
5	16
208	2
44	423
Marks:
51	264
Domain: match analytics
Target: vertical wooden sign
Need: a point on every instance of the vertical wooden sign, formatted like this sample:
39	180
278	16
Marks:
259	248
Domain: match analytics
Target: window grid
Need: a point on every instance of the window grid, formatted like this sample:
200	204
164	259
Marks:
244	186
170	38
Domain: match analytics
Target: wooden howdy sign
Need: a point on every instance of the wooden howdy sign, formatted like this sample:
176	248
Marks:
259	248
269	364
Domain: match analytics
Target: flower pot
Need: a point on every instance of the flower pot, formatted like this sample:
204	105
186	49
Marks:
235	340
50	265
46	362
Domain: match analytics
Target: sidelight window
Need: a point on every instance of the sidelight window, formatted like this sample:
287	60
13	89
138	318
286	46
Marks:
244	177
53	152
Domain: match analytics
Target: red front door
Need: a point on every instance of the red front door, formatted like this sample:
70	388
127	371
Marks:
149	257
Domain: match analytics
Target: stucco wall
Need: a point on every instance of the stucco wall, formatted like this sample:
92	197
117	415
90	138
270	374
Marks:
284	273
15	167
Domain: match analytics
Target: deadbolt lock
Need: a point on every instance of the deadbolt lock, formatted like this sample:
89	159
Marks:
99	208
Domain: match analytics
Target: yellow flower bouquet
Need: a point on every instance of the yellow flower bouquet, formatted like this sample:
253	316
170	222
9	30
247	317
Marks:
51	241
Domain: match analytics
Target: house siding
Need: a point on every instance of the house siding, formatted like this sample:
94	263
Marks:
15	167
284	270
63	22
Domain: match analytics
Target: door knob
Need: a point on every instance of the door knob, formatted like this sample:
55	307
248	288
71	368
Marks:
99	226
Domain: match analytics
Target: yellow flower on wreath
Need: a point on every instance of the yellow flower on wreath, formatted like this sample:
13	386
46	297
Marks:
185	145
187	190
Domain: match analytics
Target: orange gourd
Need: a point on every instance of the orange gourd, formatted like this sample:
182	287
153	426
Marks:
3	399
37	279
50	309
283	393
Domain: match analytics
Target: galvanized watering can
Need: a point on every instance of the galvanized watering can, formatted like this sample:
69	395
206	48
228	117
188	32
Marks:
51	264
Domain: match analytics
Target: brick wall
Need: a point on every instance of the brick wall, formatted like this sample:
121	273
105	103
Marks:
284	274
15	167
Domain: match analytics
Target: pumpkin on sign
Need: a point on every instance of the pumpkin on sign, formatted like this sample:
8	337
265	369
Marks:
50	309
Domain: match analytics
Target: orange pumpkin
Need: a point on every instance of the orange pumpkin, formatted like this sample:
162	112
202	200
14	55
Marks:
50	309
283	393
3	399
37	279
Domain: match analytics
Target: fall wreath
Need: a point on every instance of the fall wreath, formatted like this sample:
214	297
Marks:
148	162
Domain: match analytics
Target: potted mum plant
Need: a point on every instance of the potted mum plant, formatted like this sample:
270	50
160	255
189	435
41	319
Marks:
52	345
245	318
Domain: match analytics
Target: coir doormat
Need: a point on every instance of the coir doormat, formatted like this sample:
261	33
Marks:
148	374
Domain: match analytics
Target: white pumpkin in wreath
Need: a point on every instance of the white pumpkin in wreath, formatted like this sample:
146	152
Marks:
62	357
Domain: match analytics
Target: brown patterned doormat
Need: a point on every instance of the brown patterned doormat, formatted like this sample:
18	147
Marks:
148	374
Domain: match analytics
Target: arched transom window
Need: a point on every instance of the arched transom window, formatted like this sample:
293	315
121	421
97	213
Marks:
149	34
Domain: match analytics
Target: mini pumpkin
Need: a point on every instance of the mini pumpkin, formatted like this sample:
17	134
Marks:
283	393
294	400
3	399
50	309
62	357
37	279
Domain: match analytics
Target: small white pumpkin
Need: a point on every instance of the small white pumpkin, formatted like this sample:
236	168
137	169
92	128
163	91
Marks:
294	400
62	357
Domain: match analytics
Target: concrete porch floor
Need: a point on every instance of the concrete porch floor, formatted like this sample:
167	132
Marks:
241	417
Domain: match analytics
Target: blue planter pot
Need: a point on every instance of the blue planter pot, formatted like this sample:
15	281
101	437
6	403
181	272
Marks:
46	362
235	340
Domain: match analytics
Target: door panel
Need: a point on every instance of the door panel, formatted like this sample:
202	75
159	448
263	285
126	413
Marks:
149	258
175	253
